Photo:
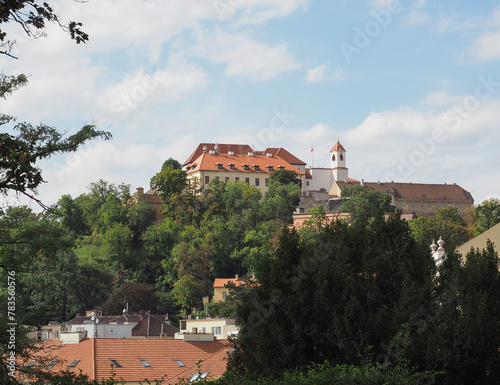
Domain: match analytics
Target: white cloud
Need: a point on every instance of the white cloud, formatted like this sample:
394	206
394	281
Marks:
246	57
258	11
441	99
323	73
485	47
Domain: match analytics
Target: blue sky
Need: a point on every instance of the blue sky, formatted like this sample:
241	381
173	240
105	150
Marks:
412	88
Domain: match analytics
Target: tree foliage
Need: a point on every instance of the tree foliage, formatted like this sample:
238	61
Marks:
487	215
364	203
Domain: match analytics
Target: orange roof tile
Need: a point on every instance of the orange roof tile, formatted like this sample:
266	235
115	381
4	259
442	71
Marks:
239	149
95	355
208	162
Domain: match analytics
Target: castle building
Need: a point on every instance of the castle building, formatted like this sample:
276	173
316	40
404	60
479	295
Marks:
320	186
324	186
239	162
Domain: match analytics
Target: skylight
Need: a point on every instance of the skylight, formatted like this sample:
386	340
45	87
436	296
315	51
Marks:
31	363
145	363
116	363
198	377
73	364
52	364
181	365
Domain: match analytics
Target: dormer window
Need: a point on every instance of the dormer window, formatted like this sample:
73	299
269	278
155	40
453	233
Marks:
219	166
281	167
256	167
231	166
270	168
246	167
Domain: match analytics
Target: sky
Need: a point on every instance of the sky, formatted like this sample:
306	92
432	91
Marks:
410	88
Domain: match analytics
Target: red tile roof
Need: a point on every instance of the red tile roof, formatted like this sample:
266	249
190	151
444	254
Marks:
283	154
240	149
338	147
209	162
152	326
418	190
95	355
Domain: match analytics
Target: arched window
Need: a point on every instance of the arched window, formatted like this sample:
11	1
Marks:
333	157
341	156
224	295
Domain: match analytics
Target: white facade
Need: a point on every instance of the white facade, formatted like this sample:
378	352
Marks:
105	330
323	179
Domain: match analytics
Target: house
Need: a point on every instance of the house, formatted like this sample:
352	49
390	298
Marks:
130	360
239	162
220	289
219	328
480	242
95	324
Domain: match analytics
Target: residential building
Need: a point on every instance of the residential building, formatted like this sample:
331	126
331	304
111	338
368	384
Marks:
220	287
95	324
239	162
131	360
219	328
480	242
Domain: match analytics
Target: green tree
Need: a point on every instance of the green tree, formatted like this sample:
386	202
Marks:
446	223
487	215
72	216
333	297
187	293
116	245
137	296
169	181
363	203
460	333
31	16
282	196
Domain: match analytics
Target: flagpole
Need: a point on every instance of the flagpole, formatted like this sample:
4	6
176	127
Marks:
312	156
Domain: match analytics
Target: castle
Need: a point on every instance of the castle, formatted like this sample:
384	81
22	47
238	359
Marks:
320	186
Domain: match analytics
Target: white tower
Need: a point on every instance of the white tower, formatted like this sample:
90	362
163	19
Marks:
339	169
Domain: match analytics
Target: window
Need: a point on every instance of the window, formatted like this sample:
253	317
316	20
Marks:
217	178
307	183
145	363
57	333
257	182
256	167
52	364
183	325
46	334
281	168
412	204
438	204
267	180
247	180
231	166
207	179
31	363
181	365
224	294
216	330
116	363
430	204
73	364
236	179
302	210
226	179
333	157
246	167
219	166
421	204
404	204
341	156
270	168
194	330
460	206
